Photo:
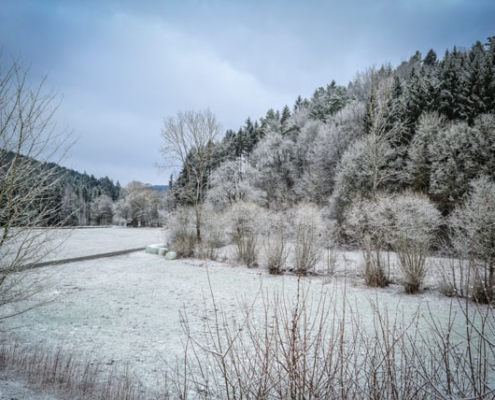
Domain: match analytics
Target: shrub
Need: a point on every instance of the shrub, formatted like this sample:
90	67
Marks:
244	232
416	222
412	258
307	249
374	265
213	233
366	223
183	239
275	239
405	223
472	228
301	346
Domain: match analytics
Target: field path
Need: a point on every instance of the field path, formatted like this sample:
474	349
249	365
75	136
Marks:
83	244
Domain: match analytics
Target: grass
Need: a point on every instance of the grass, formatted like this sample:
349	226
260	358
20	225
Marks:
66	376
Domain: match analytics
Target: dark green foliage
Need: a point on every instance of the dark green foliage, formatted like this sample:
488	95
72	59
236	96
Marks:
326	102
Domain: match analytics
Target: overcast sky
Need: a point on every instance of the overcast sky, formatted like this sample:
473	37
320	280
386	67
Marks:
121	66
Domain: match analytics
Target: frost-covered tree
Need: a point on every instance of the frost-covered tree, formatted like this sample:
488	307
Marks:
365	169
233	182
460	154
139	205
273	159
327	101
419	157
123	212
388	219
102	210
320	146
472	226
70	206
188	141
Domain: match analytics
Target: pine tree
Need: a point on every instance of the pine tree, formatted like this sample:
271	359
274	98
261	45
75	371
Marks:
285	115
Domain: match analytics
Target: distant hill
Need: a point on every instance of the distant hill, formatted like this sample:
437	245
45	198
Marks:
160	188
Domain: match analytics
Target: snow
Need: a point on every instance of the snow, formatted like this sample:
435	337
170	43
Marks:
126	309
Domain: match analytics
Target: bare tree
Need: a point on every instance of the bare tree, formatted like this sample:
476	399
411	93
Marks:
30	148
188	141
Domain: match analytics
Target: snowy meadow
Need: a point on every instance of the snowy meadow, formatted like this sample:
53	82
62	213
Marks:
193	328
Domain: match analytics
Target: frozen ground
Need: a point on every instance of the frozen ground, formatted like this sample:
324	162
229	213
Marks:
88	241
126	309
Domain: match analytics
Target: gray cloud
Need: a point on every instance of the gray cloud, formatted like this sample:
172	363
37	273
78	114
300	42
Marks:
122	66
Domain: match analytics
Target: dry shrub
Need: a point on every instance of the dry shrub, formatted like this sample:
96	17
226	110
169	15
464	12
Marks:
412	261
308	233
276	253
212	233
483	290
183	238
298	346
374	265
472	231
243	228
61	373
453	273
275	232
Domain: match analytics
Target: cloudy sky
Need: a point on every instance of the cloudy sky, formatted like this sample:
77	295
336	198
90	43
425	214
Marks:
121	66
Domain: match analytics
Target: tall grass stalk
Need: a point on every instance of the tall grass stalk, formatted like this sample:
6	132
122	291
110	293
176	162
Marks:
66	376
304	346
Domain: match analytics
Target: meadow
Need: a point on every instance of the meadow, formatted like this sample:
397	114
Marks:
139	326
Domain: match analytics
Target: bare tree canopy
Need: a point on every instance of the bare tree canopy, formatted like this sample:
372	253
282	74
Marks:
31	147
189	142
189	131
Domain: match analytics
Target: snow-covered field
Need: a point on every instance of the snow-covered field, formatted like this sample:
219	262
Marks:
126	309
89	241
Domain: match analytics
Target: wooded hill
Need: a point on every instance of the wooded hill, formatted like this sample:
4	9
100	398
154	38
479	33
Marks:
426	125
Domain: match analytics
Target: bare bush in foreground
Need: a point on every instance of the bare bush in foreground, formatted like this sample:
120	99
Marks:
61	373
299	346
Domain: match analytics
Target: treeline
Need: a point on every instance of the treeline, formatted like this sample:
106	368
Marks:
426	125
86	200
79	199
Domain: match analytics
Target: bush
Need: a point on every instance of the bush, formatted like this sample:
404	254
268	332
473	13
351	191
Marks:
374	265
307	249
416	223
301	346
472	228
242	218
406	223
275	239
183	239
412	258
213	233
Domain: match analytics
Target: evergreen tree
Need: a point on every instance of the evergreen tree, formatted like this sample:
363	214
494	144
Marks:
285	115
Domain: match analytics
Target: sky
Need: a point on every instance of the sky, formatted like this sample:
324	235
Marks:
119	67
